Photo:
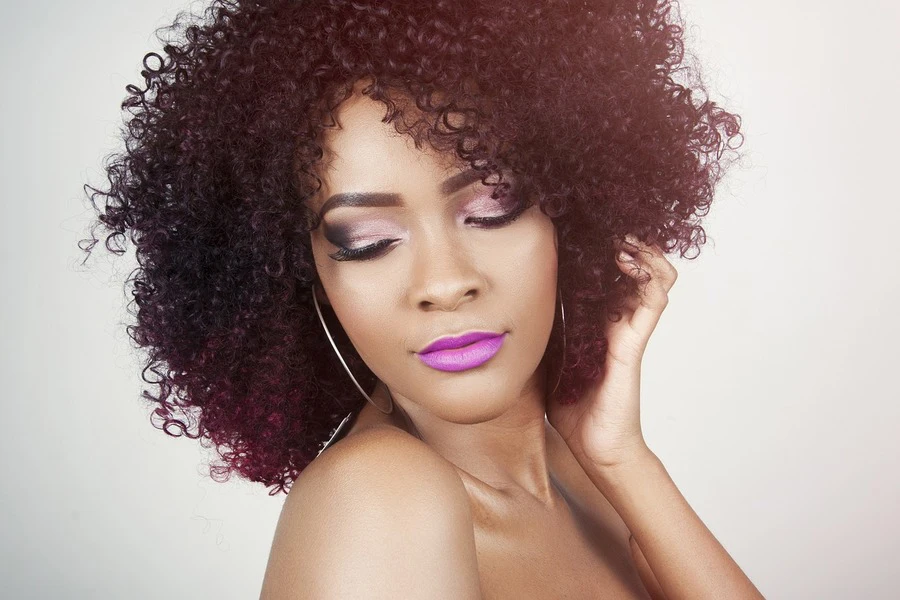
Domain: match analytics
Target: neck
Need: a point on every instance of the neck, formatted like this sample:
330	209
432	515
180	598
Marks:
508	453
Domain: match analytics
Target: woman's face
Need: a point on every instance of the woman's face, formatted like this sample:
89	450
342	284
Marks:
434	271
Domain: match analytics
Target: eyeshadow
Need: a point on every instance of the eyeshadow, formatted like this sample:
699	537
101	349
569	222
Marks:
343	234
339	235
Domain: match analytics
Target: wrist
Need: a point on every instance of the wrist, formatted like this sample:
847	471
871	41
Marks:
609	456
610	474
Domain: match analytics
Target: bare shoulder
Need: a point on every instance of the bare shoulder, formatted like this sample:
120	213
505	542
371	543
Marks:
377	515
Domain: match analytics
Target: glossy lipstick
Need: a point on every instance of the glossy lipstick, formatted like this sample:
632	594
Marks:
463	352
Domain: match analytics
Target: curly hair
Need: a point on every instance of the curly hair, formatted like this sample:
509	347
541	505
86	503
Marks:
221	145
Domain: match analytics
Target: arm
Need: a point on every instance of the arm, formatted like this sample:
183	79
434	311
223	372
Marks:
378	515
685	559
603	430
645	572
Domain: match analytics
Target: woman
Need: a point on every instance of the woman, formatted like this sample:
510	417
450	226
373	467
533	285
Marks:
437	232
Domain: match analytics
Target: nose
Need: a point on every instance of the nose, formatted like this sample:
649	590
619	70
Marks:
445	275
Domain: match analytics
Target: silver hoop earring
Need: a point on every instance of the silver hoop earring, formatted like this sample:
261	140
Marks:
562	363
341	358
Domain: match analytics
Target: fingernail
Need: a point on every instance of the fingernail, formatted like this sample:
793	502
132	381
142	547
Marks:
625	257
631	238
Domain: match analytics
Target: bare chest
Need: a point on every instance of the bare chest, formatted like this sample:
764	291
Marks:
579	550
555	558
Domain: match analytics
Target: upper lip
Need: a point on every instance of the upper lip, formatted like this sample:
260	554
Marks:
458	341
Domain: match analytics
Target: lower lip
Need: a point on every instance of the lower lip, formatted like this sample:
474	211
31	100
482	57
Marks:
467	357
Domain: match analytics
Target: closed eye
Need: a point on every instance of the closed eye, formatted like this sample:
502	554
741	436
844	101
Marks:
375	250
491	222
380	247
365	253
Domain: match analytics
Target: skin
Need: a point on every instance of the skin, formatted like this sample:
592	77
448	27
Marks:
443	277
568	490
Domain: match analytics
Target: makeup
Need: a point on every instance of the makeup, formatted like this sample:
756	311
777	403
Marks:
346	237
463	352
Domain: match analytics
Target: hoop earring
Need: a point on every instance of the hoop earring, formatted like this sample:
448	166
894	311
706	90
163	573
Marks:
562	363
341	358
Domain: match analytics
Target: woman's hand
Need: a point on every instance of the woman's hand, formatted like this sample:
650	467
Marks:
603	428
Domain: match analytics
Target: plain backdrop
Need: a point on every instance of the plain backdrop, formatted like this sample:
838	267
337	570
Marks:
769	388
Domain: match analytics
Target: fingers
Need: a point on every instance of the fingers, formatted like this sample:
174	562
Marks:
649	264
656	275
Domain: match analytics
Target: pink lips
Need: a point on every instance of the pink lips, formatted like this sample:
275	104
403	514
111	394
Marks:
463	352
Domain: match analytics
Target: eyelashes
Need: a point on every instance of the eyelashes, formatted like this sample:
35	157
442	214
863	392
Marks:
375	250
364	253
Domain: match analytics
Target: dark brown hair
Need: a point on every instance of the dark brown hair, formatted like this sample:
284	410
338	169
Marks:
220	149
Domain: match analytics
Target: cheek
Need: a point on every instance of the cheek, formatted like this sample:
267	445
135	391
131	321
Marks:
532	269
360	305
354	293
365	308
539	288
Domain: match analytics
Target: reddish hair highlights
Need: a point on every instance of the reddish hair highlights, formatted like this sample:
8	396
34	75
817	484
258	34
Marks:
220	150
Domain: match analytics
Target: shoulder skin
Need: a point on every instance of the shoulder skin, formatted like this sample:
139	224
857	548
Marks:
377	515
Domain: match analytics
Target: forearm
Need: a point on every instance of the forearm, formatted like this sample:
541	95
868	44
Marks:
687	560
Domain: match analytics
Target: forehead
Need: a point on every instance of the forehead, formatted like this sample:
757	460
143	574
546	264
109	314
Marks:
363	153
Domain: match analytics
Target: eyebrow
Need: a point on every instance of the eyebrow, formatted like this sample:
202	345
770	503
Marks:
379	199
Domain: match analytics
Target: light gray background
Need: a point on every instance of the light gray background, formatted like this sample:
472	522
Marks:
769	389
